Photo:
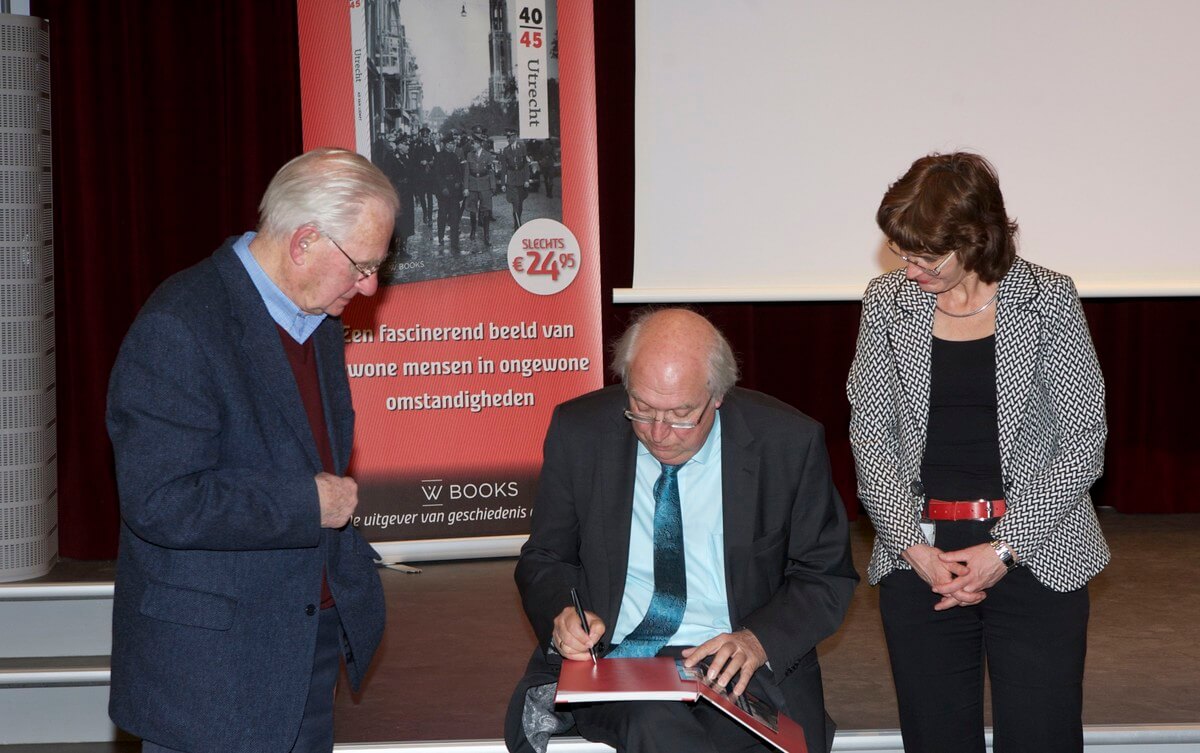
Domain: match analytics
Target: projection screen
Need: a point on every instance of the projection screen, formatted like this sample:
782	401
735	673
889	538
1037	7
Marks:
767	132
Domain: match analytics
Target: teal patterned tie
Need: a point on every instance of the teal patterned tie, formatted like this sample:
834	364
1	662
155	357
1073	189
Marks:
665	613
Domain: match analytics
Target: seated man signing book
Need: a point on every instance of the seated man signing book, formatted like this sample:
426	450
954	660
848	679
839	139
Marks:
694	519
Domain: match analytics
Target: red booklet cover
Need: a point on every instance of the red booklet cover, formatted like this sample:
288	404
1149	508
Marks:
666	679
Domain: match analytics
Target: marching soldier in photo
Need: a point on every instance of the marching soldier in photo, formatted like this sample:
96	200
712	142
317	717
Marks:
546	161
386	156
479	183
462	143
480	132
401	174
514	160
448	178
421	157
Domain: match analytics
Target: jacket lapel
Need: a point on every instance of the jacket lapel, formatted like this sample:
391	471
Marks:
615	506
911	340
739	501
1016	352
331	366
263	351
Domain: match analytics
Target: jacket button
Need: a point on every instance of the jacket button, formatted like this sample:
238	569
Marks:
310	610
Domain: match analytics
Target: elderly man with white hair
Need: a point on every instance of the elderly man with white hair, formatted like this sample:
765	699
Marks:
240	585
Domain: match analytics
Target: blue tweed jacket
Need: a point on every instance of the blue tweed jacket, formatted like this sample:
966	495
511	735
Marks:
221	549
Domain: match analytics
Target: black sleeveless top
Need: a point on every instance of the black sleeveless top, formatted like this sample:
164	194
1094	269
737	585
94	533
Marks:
962	442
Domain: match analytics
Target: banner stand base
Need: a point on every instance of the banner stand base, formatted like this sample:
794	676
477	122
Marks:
400	567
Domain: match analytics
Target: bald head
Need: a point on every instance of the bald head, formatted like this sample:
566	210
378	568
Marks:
673	347
676	368
673	342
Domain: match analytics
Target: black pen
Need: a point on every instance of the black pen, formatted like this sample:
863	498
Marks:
583	621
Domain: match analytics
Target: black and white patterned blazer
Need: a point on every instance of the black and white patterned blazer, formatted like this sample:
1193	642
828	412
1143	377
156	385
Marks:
1050	410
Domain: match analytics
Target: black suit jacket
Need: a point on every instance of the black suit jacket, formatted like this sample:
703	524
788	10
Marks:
788	571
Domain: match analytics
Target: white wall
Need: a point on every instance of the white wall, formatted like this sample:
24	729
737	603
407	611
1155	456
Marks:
768	130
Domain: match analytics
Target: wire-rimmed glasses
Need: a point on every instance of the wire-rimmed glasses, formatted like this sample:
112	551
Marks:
644	420
914	261
365	270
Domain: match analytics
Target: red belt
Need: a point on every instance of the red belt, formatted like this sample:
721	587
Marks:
976	509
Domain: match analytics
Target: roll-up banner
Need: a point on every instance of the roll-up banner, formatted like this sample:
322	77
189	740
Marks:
482	113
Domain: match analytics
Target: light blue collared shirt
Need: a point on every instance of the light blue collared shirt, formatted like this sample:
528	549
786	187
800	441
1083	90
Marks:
707	612
286	314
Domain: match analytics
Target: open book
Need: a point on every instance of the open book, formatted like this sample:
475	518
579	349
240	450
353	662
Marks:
666	679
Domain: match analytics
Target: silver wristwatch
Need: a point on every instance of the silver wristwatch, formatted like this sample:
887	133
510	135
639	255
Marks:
1005	554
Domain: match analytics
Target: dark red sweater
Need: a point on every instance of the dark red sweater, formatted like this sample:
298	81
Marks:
303	360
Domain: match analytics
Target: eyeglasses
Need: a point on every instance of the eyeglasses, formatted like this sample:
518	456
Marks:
638	418
934	270
365	270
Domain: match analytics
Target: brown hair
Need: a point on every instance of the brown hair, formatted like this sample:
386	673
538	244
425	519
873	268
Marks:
951	202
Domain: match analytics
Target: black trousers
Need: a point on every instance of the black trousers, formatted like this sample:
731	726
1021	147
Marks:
1033	640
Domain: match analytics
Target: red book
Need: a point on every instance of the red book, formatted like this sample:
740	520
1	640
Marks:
666	679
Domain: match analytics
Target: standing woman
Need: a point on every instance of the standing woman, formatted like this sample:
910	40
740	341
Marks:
978	427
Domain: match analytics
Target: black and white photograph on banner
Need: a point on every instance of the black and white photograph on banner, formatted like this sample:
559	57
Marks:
447	88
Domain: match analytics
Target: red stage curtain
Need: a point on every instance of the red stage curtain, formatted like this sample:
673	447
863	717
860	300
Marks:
169	120
1147	350
171	117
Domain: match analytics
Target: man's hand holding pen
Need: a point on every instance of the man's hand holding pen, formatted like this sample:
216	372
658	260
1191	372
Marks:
570	638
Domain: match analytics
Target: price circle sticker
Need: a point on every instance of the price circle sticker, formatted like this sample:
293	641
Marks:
543	256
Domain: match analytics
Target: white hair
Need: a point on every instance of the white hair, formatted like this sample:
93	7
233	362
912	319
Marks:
326	188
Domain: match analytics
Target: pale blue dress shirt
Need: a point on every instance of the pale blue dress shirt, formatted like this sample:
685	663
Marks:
700	497
297	323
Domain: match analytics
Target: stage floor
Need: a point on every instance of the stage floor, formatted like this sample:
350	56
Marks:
457	642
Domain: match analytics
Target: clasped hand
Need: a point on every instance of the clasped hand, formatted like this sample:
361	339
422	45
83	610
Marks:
961	577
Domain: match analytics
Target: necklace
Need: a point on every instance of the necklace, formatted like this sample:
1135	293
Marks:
986	303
